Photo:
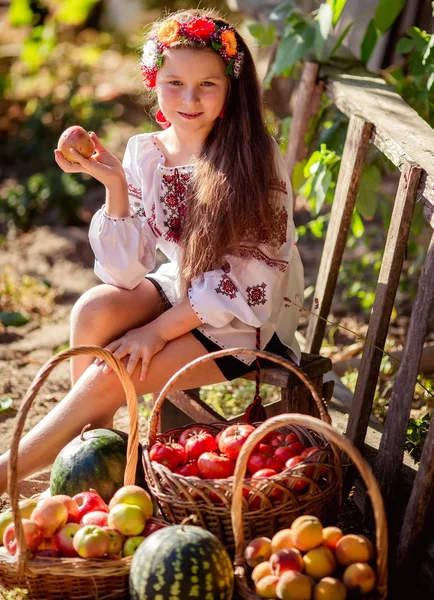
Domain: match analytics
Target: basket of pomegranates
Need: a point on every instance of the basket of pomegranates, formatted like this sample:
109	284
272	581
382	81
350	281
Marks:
309	559
80	545
189	470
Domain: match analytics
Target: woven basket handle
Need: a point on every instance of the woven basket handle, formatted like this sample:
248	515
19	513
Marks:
365	471
283	362
133	438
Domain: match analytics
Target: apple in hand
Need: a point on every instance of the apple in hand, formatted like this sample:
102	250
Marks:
75	137
95	517
32	535
131	544
63	540
116	540
133	494
88	502
128	519
91	541
71	506
50	514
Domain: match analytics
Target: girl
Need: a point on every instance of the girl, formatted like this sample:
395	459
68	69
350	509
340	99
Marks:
211	192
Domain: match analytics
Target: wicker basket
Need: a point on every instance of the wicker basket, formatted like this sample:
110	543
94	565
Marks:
210	500
68	578
242	571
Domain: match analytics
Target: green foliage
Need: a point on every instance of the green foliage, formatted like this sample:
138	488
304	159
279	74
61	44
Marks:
417	431
232	398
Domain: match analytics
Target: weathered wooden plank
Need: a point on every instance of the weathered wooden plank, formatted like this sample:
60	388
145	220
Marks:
392	444
188	403
353	158
307	103
391	267
312	365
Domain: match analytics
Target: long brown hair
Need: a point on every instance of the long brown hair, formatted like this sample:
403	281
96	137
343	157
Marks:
230	200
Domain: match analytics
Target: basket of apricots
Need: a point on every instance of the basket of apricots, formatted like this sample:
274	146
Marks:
309	561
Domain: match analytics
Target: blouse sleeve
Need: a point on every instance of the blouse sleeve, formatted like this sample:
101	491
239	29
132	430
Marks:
251	284
124	248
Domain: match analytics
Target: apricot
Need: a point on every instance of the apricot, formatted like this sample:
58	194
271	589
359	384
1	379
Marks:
307	532
319	562
75	137
266	586
257	551
329	588
282	539
287	559
359	578
261	570
353	548
331	536
294	586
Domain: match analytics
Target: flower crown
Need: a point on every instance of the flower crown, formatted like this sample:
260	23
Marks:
203	30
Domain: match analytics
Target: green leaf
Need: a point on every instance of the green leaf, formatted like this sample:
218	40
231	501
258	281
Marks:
13	319
430	82
405	45
369	42
322	32
295	45
341	38
427	52
337	8
265	36
5	403
386	13
20	14
357	226
74	12
283	11
297	177
320	186
370	183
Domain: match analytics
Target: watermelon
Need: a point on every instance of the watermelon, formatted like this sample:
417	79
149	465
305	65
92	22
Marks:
95	459
181	561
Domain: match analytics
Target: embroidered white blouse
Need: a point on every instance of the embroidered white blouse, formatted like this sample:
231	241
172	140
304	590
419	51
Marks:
248	292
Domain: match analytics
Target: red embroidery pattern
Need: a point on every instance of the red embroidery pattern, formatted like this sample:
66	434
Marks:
278	230
135	192
278	185
282	265
227	287
256	294
152	223
174	188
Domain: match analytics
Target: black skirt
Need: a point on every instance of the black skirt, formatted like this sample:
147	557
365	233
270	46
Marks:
230	366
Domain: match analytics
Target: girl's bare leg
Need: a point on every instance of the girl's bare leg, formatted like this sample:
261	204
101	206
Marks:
96	397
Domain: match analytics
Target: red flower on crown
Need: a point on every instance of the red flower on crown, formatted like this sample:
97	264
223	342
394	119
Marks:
199	28
149	76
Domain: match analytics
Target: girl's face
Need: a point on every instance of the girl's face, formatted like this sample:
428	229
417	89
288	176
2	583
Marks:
192	89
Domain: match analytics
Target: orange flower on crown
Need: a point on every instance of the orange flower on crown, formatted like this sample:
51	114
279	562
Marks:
229	42
168	32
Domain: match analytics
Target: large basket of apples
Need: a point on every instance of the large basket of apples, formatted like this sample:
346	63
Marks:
307	560
189	470
82	546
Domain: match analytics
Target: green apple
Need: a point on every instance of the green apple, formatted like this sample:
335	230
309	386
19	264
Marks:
133	494
128	519
131	544
5	518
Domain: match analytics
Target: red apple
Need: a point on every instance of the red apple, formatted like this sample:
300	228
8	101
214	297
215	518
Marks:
91	541
75	137
286	559
151	526
63	540
131	544
116	540
71	505
89	502
50	514
32	535
133	494
128	519
95	517
47	544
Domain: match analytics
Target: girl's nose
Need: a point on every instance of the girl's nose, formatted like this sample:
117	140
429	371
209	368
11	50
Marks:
190	95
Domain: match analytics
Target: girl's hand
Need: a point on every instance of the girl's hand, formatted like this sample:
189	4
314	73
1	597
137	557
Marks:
102	165
140	344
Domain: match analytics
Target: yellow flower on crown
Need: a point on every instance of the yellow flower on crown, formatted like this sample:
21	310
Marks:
229	42
168	32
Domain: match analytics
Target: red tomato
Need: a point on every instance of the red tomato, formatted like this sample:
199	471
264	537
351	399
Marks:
187	433
291	437
190	469
170	455
277	440
213	466
315	453
274	463
198	443
263	449
232	439
245	490
293	482
264	473
256	462
283	453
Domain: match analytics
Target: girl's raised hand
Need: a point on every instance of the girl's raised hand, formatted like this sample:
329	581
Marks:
102	165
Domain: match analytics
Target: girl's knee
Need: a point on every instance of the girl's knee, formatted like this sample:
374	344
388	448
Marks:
94	307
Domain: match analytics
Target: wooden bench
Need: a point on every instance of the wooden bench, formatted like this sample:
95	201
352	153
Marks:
184	407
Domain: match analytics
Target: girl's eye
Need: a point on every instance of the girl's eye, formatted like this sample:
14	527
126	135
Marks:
175	82
208	83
